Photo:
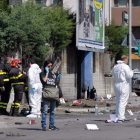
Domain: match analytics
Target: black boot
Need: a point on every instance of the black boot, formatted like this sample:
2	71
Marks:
1	111
16	114
11	111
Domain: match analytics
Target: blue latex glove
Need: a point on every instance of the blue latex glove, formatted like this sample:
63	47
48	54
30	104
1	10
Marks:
33	90
47	69
59	76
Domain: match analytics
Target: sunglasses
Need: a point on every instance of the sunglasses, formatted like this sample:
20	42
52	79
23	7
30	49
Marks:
50	66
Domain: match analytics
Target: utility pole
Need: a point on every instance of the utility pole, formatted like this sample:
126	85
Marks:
130	41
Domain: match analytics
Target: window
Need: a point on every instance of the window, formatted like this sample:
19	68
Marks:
136	2
123	3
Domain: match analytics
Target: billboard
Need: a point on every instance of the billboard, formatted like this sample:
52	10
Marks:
90	25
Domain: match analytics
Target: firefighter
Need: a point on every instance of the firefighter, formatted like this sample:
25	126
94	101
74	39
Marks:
7	85
2	88
17	80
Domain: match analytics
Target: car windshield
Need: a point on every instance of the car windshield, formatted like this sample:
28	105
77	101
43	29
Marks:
136	75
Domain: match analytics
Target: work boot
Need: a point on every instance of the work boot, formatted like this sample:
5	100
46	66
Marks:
1	111
11	111
16	114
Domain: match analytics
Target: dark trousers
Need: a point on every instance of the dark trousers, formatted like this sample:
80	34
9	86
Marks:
27	96
5	95
18	90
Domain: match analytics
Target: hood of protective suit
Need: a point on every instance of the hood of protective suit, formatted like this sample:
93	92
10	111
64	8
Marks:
34	76
36	68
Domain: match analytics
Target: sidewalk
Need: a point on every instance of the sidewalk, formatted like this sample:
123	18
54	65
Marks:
88	106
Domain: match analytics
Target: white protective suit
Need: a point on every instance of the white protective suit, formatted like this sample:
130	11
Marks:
122	75
34	82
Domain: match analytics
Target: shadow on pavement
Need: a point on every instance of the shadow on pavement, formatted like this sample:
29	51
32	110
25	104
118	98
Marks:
37	129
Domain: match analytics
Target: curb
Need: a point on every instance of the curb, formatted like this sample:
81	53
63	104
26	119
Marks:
86	110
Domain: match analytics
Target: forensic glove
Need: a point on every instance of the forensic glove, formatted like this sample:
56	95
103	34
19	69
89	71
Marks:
47	69
33	90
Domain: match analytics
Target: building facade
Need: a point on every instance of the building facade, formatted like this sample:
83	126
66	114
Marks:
114	9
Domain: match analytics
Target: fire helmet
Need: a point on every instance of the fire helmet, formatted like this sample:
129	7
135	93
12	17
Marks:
15	62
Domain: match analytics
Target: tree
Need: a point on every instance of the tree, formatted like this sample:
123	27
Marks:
32	27
114	38
62	27
25	26
4	6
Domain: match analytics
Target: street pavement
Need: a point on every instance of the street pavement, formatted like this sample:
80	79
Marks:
73	126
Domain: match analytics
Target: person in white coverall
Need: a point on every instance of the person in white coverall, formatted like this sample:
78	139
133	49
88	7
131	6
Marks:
35	89
122	75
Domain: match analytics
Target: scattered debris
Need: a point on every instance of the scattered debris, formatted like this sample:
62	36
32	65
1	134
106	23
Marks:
62	101
66	111
100	113
14	135
102	99
85	105
18	123
109	96
77	102
135	119
1	132
136	100
130	112
25	111
32	122
92	127
7	119
108	105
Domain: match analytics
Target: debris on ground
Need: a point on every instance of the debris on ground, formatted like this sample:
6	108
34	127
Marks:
130	112
92	127
1	132
109	96
66	111
18	123
25	111
135	119
77	102
32	122
62	100
108	105
14	135
85	105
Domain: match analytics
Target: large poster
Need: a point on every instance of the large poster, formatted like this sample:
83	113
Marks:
90	24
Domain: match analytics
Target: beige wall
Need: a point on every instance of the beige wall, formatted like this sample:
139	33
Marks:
70	4
117	15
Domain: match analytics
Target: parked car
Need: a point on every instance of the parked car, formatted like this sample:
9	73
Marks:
136	83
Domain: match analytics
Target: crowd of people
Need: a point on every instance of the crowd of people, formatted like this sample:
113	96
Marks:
32	81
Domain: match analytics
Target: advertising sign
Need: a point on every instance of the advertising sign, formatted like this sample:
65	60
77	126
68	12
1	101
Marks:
90	25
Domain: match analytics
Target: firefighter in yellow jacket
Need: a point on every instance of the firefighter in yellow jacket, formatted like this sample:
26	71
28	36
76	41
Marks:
17	80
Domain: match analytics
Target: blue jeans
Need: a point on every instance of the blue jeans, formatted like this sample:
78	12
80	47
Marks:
45	111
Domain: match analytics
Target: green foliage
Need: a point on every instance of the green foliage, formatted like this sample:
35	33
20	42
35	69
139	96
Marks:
32	27
4	6
114	38
61	25
25	26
